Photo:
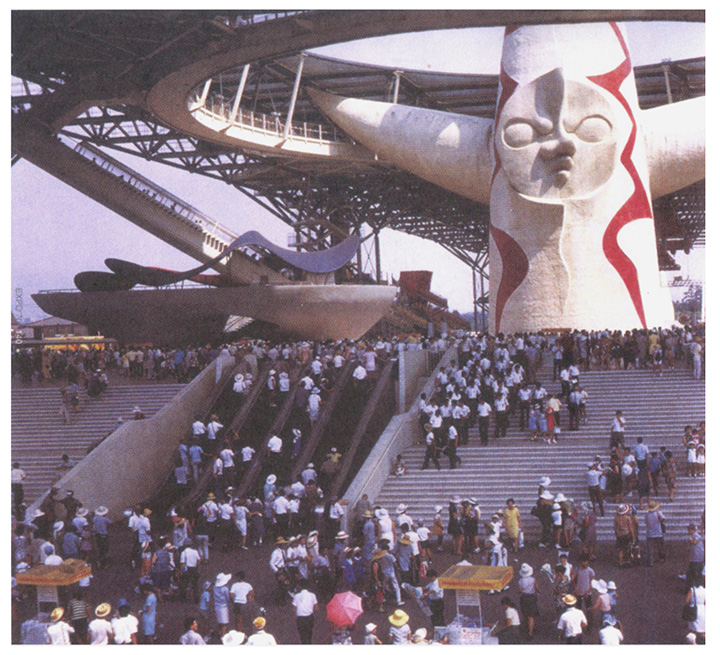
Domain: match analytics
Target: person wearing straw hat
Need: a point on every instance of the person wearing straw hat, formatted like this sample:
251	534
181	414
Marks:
260	637
655	533
58	632
528	598
572	621
399	630
100	629
100	524
625	534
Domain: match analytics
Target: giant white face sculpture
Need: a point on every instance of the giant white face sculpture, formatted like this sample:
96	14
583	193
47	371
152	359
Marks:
565	171
556	138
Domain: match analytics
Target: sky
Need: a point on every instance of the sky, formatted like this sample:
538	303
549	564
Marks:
57	232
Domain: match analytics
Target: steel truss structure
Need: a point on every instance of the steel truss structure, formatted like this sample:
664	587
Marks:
104	61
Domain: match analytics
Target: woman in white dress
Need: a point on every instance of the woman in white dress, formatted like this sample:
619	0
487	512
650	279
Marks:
696	597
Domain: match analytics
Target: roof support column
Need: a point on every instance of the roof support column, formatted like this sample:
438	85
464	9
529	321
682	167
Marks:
396	87
293	99
666	73
239	94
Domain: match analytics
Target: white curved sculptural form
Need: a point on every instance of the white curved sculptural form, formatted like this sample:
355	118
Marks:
569	167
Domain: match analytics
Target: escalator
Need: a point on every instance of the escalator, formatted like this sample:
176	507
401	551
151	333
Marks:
260	467
351	403
237	419
377	413
310	446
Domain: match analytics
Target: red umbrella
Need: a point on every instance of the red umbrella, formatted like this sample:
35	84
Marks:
344	608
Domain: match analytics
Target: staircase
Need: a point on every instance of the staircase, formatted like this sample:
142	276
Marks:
40	438
656	408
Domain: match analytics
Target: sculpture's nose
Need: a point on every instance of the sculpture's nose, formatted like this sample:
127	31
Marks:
560	144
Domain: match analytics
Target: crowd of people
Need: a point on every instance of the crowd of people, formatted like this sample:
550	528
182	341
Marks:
386	560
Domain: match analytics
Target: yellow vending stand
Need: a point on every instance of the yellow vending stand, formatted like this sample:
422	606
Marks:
467	581
50	583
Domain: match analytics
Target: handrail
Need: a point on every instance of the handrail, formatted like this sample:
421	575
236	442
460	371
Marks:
361	428
321	424
277	425
259	122
247	406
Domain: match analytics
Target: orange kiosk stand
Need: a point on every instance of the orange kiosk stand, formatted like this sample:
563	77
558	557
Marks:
49	579
467	581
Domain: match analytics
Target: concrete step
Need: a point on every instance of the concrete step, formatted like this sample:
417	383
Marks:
39	436
656	408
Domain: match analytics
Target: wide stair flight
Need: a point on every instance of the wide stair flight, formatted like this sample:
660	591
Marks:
656	408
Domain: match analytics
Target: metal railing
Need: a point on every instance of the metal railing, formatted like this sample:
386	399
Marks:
155	192
266	124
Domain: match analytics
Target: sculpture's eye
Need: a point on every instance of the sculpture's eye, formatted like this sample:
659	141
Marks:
519	134
593	129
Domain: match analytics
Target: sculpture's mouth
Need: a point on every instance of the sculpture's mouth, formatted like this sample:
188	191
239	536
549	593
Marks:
560	170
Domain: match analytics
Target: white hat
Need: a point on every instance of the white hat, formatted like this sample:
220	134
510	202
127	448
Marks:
611	585
600	586
101	511
233	638
272	372
420	634
311	465
402	507
526	570
83	511
38	513
271	479
369	627
560	498
239	376
297	432
58	525
438	509
546	495
545	481
222	579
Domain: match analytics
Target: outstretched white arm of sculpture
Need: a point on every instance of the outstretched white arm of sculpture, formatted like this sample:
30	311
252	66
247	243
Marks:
675	145
450	150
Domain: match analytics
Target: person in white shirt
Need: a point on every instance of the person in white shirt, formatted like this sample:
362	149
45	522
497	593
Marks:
52	558
275	445
58	632
198	428
281	513
125	627
610	634
260	637
309	474
190	558
213	428
305	603
191	637
572	621
241	592
100	629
